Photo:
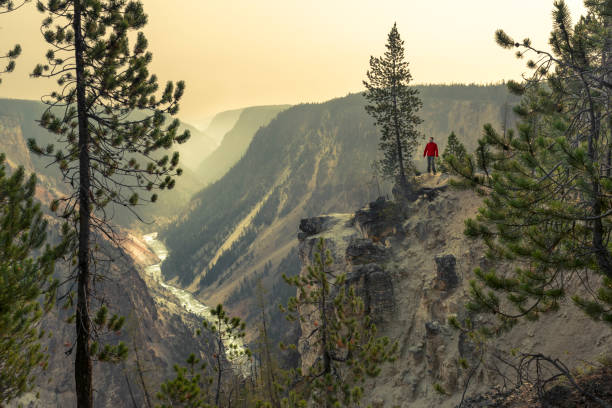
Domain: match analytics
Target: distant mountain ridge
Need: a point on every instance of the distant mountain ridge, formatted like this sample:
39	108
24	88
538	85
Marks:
222	123
310	159
236	141
199	145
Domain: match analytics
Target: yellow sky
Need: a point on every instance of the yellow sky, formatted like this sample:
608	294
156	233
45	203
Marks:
236	53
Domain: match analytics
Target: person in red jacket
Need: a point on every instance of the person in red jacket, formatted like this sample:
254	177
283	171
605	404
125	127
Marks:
431	151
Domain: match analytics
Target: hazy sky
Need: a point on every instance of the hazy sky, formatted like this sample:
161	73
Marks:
236	53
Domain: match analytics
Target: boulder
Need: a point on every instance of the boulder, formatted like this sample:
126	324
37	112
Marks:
433	327
431	193
446	274
379	219
362	251
313	226
375	287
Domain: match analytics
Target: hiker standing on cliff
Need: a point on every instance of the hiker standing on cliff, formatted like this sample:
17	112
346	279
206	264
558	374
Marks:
431	151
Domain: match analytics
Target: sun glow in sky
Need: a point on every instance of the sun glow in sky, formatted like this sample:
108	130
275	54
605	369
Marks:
237	53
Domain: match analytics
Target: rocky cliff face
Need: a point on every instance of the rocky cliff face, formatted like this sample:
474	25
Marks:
412	266
13	143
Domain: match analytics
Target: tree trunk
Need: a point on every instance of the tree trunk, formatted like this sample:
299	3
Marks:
82	363
607	67
400	159
398	142
270	378
324	324
145	390
602	254
220	350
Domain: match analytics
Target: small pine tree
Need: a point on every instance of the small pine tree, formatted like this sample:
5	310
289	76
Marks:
394	106
269	369
228	332
349	350
191	388
454	150
195	386
27	286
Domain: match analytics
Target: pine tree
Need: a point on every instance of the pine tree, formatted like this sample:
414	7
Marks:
195	385
268	367
228	332
549	192
109	124
6	6
394	106
191	388
349	350
454	150
10	5
27	285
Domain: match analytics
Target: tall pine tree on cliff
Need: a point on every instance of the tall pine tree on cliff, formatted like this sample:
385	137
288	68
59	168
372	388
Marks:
549	192
394	106
110	124
25	280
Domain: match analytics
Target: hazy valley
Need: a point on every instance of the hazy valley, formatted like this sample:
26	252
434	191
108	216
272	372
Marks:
242	228
405	245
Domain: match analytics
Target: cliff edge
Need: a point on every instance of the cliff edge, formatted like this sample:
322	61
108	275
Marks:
412	264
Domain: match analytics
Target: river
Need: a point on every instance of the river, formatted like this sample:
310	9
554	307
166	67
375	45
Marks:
185	299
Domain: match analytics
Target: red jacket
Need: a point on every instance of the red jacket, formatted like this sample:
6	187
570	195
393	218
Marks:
431	149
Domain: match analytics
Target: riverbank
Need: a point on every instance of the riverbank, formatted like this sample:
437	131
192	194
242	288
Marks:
184	299
184	302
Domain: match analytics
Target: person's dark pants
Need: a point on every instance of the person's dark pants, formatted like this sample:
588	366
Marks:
431	164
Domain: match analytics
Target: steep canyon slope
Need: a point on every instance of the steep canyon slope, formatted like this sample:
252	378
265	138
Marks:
158	328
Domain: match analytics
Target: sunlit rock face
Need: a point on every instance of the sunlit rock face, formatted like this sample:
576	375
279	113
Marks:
411	265
13	143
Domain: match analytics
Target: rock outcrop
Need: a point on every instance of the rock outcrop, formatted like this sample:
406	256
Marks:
446	274
412	267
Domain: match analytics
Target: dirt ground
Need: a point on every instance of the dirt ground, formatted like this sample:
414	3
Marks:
597	382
